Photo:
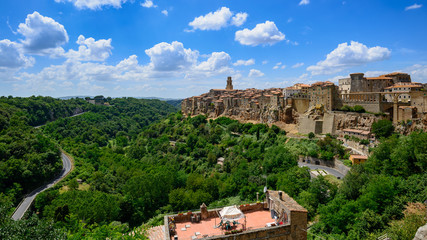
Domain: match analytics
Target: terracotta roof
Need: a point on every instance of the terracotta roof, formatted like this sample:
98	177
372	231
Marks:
356	131
379	78
394	74
402	86
359	156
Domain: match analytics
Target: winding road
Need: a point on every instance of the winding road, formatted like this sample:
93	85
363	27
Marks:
28	200
327	169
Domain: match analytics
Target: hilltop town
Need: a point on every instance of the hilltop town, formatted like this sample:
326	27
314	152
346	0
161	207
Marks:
321	107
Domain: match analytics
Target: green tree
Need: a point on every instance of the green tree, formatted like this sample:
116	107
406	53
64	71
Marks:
382	128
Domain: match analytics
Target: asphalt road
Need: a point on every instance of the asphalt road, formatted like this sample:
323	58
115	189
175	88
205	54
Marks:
28	200
327	169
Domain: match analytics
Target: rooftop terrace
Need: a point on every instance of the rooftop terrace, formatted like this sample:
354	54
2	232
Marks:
279	217
208	227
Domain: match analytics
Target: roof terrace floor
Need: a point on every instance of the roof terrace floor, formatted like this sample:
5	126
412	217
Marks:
254	220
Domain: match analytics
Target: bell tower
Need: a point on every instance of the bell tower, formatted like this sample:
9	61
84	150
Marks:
229	84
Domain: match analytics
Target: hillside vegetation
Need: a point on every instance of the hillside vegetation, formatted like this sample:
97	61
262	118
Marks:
132	163
28	158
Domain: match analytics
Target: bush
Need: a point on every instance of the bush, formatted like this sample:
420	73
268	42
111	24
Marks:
359	109
311	135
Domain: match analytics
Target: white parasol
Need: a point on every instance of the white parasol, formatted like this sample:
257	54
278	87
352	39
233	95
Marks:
231	213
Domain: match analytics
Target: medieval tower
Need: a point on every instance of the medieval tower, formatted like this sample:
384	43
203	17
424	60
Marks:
229	84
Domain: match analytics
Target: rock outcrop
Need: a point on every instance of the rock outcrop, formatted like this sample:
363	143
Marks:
361	121
264	106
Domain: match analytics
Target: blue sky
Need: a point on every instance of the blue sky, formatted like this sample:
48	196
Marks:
182	48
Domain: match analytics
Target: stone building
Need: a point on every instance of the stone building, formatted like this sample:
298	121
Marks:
358	83
296	89
229	84
323	94
279	217
266	106
402	87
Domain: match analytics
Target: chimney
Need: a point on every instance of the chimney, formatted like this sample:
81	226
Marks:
281	195
204	211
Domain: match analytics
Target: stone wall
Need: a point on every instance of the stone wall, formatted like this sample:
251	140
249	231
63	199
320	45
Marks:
306	125
374	107
301	105
283	232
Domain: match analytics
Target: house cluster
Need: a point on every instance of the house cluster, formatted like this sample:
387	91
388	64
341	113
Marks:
248	104
393	94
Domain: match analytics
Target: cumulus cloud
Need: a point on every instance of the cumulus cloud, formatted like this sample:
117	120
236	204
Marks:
414	6
304	2
41	34
239	19
345	56
11	56
148	4
218	61
255	73
218	19
94	4
171	57
168	62
263	34
165	12
297	65
244	62
91	50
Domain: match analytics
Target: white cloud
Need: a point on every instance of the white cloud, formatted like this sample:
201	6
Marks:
213	20
414	6
263	34
255	73
42	34
244	62
345	56
171	64
297	65
165	12
218	61
171	57
12	56
304	2
264	62
336	78
218	19
239	19
91	50
418	73
279	65
374	73
94	4
148	4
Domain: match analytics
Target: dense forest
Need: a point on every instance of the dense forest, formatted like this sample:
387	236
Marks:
28	158
133	164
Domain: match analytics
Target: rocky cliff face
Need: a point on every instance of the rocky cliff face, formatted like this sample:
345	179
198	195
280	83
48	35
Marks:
361	121
413	125
264	106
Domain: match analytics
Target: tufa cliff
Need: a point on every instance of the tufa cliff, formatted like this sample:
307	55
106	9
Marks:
265	106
